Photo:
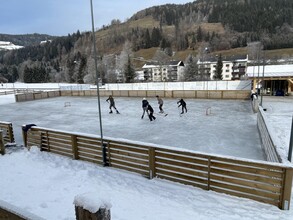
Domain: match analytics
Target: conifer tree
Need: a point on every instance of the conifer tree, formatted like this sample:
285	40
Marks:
219	69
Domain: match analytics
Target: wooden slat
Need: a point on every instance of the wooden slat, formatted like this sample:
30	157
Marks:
84	145
123	143
88	142
129	154
128	164
248	164
61	148
99	162
131	169
181	170
95	157
161	176
239	194
182	153
180	176
264	179
55	144
181	164
181	158
56	141
90	151
246	169
128	148
252	184
137	161
59	136
60	152
245	190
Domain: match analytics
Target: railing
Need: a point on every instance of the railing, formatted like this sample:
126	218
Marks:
261	181
7	129
267	143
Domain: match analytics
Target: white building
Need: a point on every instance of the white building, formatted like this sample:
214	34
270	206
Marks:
171	71
234	67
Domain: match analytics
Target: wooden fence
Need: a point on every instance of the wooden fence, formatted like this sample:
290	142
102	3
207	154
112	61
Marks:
266	141
7	129
261	181
205	94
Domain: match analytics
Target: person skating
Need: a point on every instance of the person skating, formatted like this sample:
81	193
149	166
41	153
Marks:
160	102
145	104
151	113
112	104
182	103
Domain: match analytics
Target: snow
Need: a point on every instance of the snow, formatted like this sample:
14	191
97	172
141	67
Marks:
91	202
270	70
48	185
279	116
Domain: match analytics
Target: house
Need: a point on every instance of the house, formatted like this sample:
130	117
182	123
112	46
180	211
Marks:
170	71
272	79
234	67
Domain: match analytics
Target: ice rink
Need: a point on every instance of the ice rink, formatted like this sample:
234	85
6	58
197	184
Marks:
228	129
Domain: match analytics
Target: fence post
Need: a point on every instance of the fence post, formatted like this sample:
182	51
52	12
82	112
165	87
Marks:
152	165
209	173
104	154
291	142
287	187
10	132
2	147
24	135
88	206
74	146
83	214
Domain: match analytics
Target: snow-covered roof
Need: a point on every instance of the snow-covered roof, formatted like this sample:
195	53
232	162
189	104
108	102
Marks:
271	71
168	63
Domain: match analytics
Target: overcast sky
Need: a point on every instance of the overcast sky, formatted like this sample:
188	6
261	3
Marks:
60	17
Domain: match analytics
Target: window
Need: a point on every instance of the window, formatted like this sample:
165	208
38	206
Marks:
227	65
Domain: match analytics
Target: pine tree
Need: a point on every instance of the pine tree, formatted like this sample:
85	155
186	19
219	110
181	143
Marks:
191	69
219	69
129	72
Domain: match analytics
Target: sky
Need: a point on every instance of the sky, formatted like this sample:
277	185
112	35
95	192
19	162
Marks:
62	17
130	196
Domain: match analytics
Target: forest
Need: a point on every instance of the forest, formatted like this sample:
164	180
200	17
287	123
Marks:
216	24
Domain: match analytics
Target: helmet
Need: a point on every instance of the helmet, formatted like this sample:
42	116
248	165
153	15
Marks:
144	99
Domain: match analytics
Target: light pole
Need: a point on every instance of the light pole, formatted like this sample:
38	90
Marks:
97	82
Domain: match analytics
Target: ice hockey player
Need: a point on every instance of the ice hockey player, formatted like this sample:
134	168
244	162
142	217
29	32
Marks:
112	104
182	103
145	104
151	113
160	102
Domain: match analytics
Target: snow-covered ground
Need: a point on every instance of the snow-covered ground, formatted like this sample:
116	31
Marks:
46	184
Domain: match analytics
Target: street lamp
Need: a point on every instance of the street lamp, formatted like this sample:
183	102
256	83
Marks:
97	82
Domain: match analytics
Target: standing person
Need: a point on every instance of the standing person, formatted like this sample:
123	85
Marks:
151	113
160	102
145	104
182	103
112	104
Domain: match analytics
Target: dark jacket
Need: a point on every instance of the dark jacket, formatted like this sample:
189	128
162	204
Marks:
182	102
144	103
150	109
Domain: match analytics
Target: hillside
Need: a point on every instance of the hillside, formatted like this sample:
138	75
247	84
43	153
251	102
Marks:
164	32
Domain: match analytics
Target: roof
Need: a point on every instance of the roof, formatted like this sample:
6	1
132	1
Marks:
168	63
270	71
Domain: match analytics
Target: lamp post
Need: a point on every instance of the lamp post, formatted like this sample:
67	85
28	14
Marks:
97	82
